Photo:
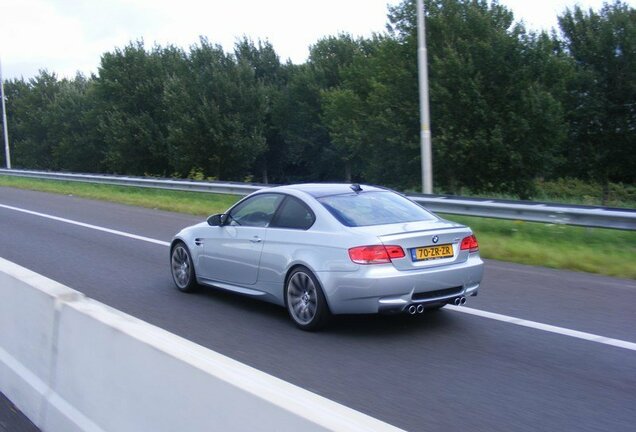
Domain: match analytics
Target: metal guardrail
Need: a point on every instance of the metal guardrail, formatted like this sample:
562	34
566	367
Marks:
148	182
589	216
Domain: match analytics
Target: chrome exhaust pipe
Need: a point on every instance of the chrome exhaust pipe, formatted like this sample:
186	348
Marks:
420	308
459	301
412	309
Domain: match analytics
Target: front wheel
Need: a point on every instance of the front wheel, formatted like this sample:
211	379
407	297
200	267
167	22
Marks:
305	300
182	269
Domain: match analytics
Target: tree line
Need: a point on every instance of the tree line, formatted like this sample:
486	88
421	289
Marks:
508	106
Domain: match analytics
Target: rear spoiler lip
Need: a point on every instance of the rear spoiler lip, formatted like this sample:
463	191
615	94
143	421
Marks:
463	229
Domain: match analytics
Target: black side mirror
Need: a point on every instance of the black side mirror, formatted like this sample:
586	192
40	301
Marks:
217	220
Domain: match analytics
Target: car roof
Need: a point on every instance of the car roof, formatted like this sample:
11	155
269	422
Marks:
318	190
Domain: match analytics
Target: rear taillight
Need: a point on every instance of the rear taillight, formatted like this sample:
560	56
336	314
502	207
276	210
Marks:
470	244
376	254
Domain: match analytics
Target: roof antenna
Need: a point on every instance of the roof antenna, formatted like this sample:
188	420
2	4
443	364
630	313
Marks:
356	188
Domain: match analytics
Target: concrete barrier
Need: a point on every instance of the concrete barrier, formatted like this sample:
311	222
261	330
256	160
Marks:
73	364
27	335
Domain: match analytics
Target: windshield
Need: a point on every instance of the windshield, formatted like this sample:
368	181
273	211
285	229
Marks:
374	208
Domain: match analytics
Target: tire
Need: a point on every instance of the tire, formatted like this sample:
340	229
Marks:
182	269
305	300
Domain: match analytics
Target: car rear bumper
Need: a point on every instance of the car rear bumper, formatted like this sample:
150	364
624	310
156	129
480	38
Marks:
383	288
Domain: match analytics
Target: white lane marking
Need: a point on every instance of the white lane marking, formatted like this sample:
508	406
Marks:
85	225
494	316
545	327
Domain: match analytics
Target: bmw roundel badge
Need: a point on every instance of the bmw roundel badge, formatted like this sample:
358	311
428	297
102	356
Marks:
435	239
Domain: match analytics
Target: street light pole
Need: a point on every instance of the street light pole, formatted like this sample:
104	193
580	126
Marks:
4	122
425	122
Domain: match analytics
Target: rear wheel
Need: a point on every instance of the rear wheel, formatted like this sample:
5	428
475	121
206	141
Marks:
182	269
305	300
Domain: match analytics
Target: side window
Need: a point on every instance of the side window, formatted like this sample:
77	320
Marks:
294	214
256	211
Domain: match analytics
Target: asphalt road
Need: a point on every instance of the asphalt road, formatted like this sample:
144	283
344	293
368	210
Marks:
441	371
11	419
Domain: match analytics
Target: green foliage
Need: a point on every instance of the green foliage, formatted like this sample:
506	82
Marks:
29	107
272	77
493	116
307	155
77	145
345	119
197	174
52	123
344	113
508	106
216	115
602	95
571	190
132	114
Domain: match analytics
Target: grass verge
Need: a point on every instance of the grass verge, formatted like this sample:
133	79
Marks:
196	203
594	250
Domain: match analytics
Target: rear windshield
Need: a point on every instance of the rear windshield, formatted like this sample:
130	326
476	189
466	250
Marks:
374	208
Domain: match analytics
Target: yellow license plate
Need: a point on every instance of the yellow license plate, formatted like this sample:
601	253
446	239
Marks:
432	252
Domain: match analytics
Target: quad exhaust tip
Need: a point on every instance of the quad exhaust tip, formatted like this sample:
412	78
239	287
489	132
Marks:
459	301
415	309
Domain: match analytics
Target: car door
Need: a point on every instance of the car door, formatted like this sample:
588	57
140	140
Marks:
233	251
286	237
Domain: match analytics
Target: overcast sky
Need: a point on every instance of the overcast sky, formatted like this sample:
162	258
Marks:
65	36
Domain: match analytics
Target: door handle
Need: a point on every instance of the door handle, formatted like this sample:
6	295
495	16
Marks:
255	239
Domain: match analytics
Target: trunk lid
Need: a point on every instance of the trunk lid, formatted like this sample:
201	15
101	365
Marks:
425	243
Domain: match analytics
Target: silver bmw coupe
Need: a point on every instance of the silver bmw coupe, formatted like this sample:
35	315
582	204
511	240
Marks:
322	249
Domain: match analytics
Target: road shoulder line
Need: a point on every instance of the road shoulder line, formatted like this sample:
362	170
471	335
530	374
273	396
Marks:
545	327
85	225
